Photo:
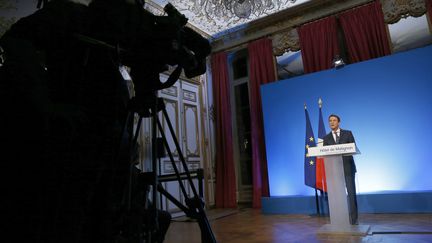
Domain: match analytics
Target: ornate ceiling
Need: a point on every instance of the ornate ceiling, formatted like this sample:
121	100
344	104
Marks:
218	22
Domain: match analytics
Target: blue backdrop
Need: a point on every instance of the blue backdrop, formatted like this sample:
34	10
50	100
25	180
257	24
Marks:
385	102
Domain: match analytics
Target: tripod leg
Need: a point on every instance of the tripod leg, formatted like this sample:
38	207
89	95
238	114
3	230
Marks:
181	157
195	204
133	143
155	181
183	189
172	198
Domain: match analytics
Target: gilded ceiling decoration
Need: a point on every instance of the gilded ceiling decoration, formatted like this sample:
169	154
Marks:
214	16
285	41
394	10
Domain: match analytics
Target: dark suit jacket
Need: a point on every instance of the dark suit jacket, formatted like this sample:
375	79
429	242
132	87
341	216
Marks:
346	136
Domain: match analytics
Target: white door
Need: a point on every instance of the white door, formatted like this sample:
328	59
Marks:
183	104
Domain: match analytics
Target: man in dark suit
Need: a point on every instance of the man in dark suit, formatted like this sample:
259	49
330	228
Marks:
340	136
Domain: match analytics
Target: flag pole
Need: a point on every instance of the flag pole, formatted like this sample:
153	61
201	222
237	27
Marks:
317	203
310	142
323	193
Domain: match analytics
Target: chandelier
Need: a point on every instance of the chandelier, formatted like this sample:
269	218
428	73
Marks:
240	8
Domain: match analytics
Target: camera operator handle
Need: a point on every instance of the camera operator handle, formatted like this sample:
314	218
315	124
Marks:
175	75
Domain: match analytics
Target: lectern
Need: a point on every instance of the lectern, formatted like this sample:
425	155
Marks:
335	178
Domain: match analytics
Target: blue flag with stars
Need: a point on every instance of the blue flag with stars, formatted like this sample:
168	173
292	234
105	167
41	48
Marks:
309	162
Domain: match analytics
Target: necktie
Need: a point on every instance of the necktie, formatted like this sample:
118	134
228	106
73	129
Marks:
337	137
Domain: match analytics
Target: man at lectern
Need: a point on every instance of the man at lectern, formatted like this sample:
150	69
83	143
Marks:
340	136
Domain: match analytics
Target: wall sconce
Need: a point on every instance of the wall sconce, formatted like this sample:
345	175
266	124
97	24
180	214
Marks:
338	62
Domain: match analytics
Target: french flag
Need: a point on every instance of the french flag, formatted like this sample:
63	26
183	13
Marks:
320	169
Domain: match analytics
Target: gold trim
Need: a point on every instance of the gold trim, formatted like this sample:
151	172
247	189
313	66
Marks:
167	91
395	10
193	165
190	95
167	164
206	163
194	80
194	109
285	41
175	102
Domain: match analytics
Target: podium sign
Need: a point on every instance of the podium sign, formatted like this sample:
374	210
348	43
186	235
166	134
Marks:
335	178
338	149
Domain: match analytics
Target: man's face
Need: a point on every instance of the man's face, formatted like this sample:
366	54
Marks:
334	123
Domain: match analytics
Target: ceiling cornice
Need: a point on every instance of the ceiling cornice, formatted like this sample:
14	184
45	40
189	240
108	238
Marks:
282	21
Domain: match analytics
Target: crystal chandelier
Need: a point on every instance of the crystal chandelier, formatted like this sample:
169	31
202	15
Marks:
239	8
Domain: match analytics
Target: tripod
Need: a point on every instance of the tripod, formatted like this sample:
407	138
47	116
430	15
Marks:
149	107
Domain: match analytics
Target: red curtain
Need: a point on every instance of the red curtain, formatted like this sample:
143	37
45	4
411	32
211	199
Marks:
225	174
319	44
261	66
365	32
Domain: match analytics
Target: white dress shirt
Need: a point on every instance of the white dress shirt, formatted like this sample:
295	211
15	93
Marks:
334	135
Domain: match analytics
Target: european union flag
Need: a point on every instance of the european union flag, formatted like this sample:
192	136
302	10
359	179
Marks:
309	162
